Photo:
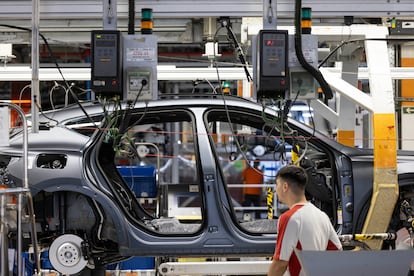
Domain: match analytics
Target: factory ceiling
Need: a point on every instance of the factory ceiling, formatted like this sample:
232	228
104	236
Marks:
182	26
173	20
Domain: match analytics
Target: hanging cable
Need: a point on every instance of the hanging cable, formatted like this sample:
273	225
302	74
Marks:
21	93
56	86
299	54
270	13
57	67
41	111
239	50
131	17
110	14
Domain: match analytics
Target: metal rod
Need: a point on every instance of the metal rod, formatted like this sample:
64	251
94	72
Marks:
19	249
35	65
24	190
33	231
13	191
4	258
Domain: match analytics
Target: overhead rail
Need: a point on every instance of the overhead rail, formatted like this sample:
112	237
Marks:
93	9
173	73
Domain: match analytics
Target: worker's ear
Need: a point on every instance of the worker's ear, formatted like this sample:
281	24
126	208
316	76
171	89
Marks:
285	186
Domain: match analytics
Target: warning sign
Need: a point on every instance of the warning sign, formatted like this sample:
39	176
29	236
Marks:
140	54
408	110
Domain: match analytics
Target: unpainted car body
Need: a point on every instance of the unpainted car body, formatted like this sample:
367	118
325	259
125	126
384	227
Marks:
191	201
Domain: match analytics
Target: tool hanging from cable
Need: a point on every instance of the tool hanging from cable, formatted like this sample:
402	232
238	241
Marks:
239	50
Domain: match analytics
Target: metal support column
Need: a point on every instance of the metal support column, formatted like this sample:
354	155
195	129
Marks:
407	106
385	186
350	57
35	97
4	245
381	104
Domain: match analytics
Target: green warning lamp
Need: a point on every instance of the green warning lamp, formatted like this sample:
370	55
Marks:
226	87
146	21
306	20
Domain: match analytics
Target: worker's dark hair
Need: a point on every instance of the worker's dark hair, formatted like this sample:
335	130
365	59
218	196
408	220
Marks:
295	176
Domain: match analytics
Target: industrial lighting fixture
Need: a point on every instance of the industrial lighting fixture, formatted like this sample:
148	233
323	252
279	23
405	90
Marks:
306	21
146	21
6	53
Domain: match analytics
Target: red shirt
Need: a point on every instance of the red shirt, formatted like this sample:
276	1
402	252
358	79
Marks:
304	227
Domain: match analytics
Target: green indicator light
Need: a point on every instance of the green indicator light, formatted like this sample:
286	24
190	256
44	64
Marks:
306	13
146	14
146	21
226	84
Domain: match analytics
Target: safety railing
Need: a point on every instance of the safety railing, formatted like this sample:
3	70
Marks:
21	193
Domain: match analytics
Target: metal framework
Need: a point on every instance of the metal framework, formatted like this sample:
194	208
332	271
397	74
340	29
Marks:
172	73
52	9
58	17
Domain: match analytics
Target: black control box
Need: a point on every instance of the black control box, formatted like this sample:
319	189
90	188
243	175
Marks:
272	64
106	71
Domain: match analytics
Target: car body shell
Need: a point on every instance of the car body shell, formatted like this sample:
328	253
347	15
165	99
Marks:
219	234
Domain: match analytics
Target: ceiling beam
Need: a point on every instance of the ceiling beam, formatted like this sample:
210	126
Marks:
172	73
92	9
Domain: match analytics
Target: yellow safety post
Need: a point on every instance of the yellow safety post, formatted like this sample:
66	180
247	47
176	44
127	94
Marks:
346	137
381	103
269	201
385	186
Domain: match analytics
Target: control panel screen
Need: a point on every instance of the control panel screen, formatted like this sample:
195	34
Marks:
105	55
272	73
273	54
106	74
274	42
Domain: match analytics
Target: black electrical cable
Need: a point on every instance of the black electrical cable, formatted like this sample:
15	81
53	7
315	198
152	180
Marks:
144	82
270	13
238	49
343	43
323	61
57	67
131	16
127	114
299	53
44	114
